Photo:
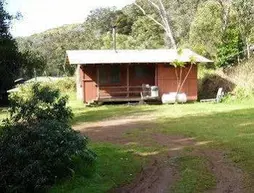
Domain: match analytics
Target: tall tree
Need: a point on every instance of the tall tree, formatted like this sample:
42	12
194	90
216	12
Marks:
205	31
164	21
10	58
245	11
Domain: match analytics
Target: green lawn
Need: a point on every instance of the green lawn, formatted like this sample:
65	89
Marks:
113	168
230	127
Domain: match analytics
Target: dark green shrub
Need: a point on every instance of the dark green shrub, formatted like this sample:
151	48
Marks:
32	157
39	102
37	144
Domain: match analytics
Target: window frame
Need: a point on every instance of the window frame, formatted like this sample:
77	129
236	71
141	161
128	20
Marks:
108	77
145	70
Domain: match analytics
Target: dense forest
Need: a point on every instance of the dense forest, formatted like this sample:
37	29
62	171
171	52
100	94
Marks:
222	30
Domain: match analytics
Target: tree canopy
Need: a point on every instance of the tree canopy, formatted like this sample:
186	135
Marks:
13	63
10	62
220	30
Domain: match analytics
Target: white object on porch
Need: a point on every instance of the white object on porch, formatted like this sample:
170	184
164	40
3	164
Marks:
154	91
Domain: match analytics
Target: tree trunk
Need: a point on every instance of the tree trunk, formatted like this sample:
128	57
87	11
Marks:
247	48
185	78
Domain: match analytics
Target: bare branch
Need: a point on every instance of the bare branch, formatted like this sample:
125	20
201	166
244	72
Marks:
164	20
150	17
167	24
225	6
154	4
186	76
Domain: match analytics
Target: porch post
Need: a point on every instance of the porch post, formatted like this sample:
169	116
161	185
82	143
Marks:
98	81
156	75
128	80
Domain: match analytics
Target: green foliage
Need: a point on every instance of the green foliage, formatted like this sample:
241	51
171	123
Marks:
123	23
32	61
205	30
36	102
245	16
178	63
147	34
242	74
37	144
198	24
230	51
65	85
122	41
34	156
240	94
10	62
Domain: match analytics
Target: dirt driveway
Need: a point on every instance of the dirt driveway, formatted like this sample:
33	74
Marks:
159	177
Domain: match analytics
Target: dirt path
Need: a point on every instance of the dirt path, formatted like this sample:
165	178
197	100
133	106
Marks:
229	179
159	176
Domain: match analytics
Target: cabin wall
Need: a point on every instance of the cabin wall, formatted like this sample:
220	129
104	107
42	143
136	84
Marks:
167	81
162	75
79	83
91	85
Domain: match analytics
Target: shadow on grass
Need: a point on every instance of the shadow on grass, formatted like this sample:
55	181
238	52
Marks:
115	166
232	131
99	113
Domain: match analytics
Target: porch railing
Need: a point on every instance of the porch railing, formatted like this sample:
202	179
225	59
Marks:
119	91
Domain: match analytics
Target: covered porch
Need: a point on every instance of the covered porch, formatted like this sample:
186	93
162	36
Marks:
118	82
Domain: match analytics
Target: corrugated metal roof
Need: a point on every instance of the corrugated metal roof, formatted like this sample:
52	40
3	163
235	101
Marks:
132	56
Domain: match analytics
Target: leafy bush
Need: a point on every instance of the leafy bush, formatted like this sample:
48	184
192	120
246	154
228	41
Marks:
242	93
243	74
66	85
37	144
230	49
239	94
39	102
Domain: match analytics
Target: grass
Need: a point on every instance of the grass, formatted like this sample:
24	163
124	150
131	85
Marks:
115	166
229	126
85	114
194	176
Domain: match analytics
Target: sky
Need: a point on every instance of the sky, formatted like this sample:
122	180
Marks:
40	15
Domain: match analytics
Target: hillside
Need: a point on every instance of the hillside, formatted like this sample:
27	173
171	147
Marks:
196	24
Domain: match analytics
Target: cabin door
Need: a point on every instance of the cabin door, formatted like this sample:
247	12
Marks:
90	91
90	87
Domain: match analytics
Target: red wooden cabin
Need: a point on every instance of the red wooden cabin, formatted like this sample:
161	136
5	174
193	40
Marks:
113	76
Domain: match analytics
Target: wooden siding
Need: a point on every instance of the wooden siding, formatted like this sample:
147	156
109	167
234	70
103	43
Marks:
162	75
89	83
79	83
167	81
120	89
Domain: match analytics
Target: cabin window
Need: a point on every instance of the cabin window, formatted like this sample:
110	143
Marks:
109	75
115	74
142	71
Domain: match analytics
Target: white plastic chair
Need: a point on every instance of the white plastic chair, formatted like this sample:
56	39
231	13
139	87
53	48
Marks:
218	98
